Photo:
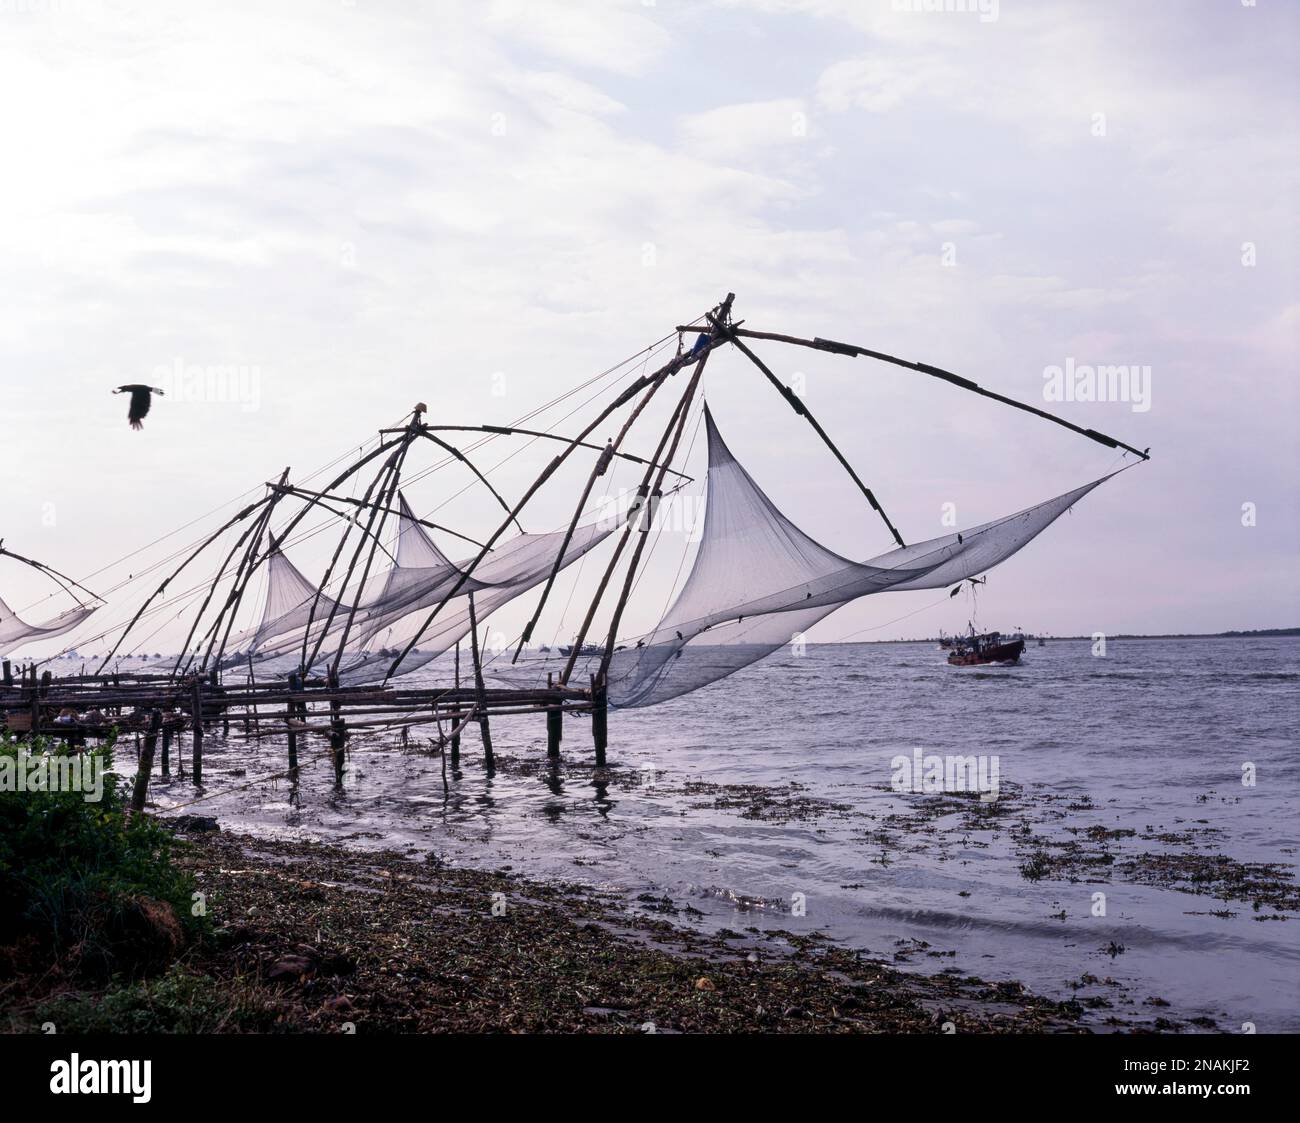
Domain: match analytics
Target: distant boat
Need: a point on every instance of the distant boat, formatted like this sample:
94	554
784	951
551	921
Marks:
1042	642
981	650
585	649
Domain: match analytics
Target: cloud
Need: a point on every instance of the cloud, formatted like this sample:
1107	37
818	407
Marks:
734	131
375	205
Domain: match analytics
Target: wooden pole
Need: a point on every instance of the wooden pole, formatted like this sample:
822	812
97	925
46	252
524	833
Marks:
196	730
852	350
642	497
597	470
646	520
338	735
387	492
338	729
554	728
145	766
599	718
291	710
480	688
175	572
455	717
647	496
186	656
796	403
167	751
626	396
251	560
252	684
424	432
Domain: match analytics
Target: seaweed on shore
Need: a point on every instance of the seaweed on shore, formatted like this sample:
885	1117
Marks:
312	938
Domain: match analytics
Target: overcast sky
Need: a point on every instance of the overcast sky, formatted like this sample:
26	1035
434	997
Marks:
363	205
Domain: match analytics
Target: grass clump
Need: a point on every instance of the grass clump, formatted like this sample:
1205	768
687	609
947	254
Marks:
177	1002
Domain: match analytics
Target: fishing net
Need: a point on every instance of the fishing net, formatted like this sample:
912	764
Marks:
758	582
388	609
15	632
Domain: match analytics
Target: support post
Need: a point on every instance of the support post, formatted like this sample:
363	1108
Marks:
145	768
455	716
479	688
291	712
196	730
599	718
252	687
8	674
554	728
338	735
167	751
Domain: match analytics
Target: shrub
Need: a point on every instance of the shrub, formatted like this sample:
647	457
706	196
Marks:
79	881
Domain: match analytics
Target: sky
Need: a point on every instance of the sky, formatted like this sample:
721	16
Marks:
301	219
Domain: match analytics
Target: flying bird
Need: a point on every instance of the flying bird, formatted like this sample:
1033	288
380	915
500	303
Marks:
140	402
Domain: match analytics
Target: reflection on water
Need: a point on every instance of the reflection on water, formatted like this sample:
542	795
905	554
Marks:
716	800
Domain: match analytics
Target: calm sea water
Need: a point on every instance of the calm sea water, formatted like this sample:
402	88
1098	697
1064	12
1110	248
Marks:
1129	757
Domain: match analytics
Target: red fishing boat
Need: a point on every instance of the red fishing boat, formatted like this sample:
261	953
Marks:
980	650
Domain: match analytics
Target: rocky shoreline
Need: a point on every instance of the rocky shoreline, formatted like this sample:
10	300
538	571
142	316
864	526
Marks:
311	938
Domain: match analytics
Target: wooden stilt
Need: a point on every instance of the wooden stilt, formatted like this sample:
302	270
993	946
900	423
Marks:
252	685
196	728
291	712
145	767
599	719
167	751
554	728
479	687
455	717
338	735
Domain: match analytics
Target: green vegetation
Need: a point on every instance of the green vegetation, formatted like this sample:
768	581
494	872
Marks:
177	1002
83	887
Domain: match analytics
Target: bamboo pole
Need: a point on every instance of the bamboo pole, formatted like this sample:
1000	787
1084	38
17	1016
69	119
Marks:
513	430
630	392
480	689
176	572
647	521
196	731
599	718
596	472
554	728
424	432
398	457
636	512
381	475
320	496
797	404
455	714
184	652
646	494
291	709
253	561
853	350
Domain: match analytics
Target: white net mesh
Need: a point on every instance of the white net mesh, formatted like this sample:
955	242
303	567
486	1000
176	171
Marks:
15	632
758	581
